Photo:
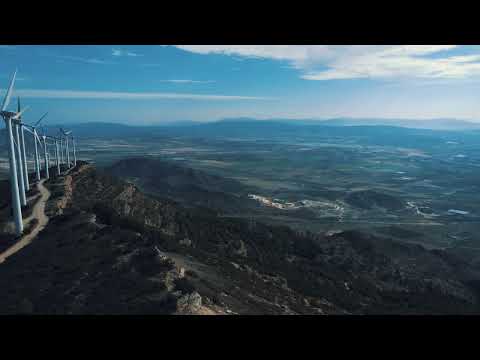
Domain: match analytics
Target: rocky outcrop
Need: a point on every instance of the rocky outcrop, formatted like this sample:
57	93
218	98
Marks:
189	304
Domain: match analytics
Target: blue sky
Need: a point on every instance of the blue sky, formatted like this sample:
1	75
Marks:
158	84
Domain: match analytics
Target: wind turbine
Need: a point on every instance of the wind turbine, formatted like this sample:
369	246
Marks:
20	178
55	152
23	156
45	153
60	149
36	139
64	155
57	156
74	152
8	117
65	134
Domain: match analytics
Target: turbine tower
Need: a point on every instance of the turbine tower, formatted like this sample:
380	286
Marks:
35	140
20	178
57	156
64	156
60	149
74	153
45	154
65	134
10	116
23	157
55	152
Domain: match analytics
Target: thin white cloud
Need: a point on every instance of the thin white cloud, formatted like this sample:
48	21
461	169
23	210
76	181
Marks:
277	52
120	52
188	81
76	94
333	62
17	78
85	60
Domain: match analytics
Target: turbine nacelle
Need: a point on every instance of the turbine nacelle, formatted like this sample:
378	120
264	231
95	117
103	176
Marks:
18	115
12	115
8	114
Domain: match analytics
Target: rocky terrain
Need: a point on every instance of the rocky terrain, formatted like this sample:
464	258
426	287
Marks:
109	248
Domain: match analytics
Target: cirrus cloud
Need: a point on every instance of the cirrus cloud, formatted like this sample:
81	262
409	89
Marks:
79	94
335	62
120	52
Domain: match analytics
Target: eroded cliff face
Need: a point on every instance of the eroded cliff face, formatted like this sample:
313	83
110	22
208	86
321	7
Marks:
126	200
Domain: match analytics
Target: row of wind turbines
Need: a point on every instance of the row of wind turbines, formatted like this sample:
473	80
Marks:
19	180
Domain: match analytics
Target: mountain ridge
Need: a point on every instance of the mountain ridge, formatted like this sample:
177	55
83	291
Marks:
432	124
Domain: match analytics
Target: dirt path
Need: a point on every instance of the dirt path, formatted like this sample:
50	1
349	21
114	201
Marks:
37	213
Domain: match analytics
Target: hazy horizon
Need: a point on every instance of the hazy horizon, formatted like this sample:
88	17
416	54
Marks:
314	121
155	84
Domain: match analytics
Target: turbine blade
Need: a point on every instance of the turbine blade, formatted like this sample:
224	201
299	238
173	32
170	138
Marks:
6	101
26	128
19	114
38	139
38	122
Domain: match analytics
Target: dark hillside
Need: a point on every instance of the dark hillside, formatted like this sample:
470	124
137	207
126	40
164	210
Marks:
109	248
192	188
353	271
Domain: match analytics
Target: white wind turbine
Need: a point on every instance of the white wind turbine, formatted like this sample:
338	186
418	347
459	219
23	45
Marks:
45	153
23	157
36	139
10	117
21	179
55	151
65	134
57	156
60	149
74	152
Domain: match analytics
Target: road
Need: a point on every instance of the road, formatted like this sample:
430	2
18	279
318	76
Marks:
37	213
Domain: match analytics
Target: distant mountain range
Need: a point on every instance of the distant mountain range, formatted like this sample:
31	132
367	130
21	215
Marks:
246	124
270	128
433	124
436	123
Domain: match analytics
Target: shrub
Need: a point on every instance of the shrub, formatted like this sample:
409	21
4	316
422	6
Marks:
184	285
